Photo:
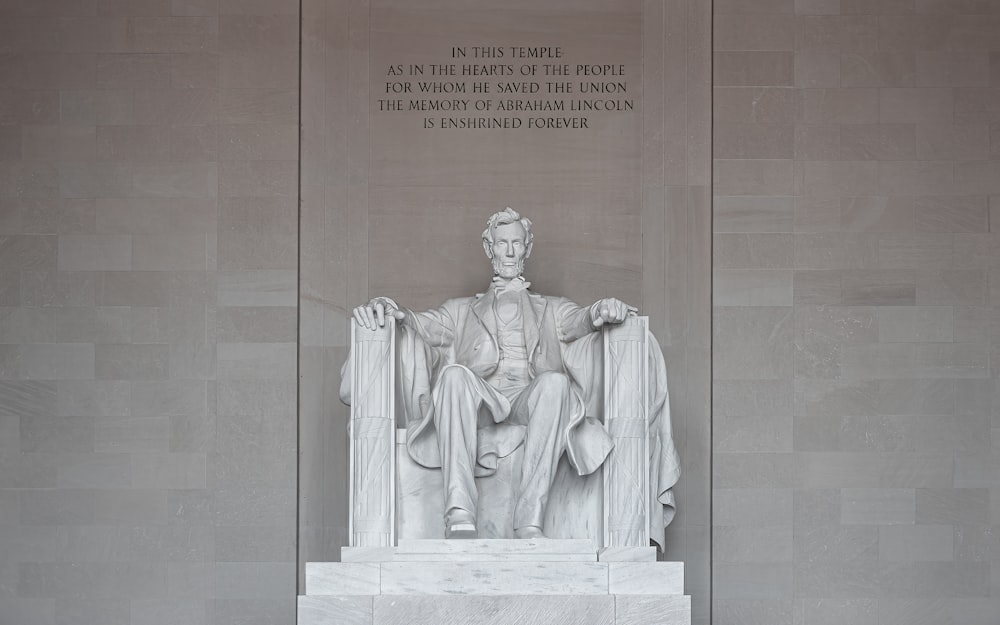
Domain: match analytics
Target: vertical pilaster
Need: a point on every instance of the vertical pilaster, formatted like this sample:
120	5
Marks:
626	417
373	432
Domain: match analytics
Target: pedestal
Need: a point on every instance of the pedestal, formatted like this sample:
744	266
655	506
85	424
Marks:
495	582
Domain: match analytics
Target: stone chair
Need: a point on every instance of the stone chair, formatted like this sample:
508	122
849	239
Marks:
393	498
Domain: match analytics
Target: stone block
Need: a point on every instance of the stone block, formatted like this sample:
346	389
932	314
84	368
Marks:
877	506
270	582
485	550
652	610
342	578
367	554
510	578
739	543
627	554
825	543
343	610
496	610
916	543
646	578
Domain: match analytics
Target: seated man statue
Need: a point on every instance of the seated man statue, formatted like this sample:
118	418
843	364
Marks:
502	357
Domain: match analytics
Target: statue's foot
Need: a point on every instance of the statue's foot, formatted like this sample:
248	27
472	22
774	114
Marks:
459	523
529	531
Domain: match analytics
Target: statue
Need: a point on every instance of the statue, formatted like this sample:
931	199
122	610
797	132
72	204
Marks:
476	365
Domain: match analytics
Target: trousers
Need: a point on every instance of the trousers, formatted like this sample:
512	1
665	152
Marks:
543	406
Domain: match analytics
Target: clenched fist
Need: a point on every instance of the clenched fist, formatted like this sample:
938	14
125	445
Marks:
610	310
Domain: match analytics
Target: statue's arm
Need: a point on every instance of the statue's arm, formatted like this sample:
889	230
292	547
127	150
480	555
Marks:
576	321
435	327
572	320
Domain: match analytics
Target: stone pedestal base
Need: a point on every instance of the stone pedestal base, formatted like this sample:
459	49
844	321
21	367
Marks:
494	582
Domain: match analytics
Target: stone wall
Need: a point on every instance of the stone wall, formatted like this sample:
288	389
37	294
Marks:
151	329
855	442
148	277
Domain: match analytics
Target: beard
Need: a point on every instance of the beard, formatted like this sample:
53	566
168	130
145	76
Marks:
508	272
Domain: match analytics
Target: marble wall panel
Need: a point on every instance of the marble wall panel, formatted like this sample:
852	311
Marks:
891	262
817	142
113	201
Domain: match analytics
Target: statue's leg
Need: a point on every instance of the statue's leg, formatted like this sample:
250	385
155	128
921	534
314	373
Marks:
544	407
456	406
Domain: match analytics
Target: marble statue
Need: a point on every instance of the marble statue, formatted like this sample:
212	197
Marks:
482	376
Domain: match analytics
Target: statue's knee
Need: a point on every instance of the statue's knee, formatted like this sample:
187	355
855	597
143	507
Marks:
451	377
553	382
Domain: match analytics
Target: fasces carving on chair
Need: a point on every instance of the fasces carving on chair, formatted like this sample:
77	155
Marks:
506	371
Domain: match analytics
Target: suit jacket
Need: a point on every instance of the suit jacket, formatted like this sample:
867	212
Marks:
466	329
463	331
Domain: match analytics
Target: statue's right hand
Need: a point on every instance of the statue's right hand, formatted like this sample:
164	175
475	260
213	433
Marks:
372	315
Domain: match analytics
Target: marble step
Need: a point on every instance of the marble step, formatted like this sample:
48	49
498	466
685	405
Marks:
496	610
494	578
477	550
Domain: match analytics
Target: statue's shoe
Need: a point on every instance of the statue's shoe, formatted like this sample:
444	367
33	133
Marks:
529	531
460	524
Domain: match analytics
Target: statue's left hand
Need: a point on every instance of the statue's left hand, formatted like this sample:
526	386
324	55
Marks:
610	310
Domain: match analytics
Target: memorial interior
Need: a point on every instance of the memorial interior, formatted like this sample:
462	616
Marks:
801	195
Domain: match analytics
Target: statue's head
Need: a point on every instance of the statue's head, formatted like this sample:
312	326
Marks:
507	242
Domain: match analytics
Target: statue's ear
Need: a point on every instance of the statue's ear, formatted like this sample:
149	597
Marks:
487	248
527	250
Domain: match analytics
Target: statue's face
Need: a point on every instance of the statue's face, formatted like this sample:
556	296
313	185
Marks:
509	250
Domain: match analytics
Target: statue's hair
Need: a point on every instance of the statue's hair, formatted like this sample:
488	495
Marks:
502	218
